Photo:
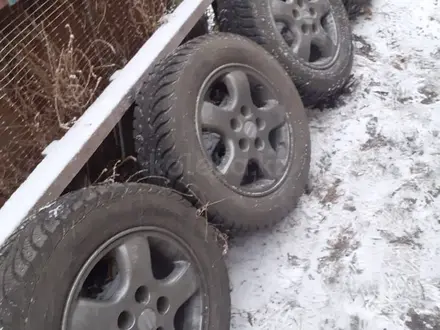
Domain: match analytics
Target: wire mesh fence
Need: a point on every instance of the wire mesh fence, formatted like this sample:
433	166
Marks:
56	56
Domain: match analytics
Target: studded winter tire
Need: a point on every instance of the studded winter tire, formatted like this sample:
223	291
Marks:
310	38
221	118
117	257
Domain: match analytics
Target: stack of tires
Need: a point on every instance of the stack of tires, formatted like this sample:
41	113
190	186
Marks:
223	120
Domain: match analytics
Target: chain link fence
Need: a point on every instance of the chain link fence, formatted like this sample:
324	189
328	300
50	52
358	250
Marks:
56	56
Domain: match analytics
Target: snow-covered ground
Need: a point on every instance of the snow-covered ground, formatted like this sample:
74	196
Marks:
362	251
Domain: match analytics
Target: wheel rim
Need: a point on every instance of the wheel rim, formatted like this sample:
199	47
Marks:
243	129
141	279
309	29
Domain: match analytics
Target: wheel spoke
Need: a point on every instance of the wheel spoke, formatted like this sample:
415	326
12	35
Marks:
235	169
322	7
215	119
239	88
324	43
267	161
302	47
273	114
94	314
134	261
282	11
181	284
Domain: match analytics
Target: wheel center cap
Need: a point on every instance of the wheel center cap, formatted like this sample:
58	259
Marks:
147	320
250	129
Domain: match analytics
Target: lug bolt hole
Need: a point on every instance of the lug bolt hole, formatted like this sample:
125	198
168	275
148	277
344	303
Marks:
235	124
245	111
259	144
142	295
312	12
243	144
295	13
314	28
163	305
300	3
260	123
304	28
125	320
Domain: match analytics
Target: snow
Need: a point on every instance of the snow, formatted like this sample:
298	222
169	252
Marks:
362	250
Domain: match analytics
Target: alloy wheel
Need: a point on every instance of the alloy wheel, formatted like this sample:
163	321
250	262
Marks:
307	26
243	128
142	279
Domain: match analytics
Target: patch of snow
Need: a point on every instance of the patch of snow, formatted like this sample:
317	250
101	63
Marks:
362	251
56	211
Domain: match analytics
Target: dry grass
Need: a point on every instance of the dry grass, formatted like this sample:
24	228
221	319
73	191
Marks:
143	18
66	80
56	57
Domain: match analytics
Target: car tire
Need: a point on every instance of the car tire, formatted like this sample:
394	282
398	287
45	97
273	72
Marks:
42	263
319	61
172	142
